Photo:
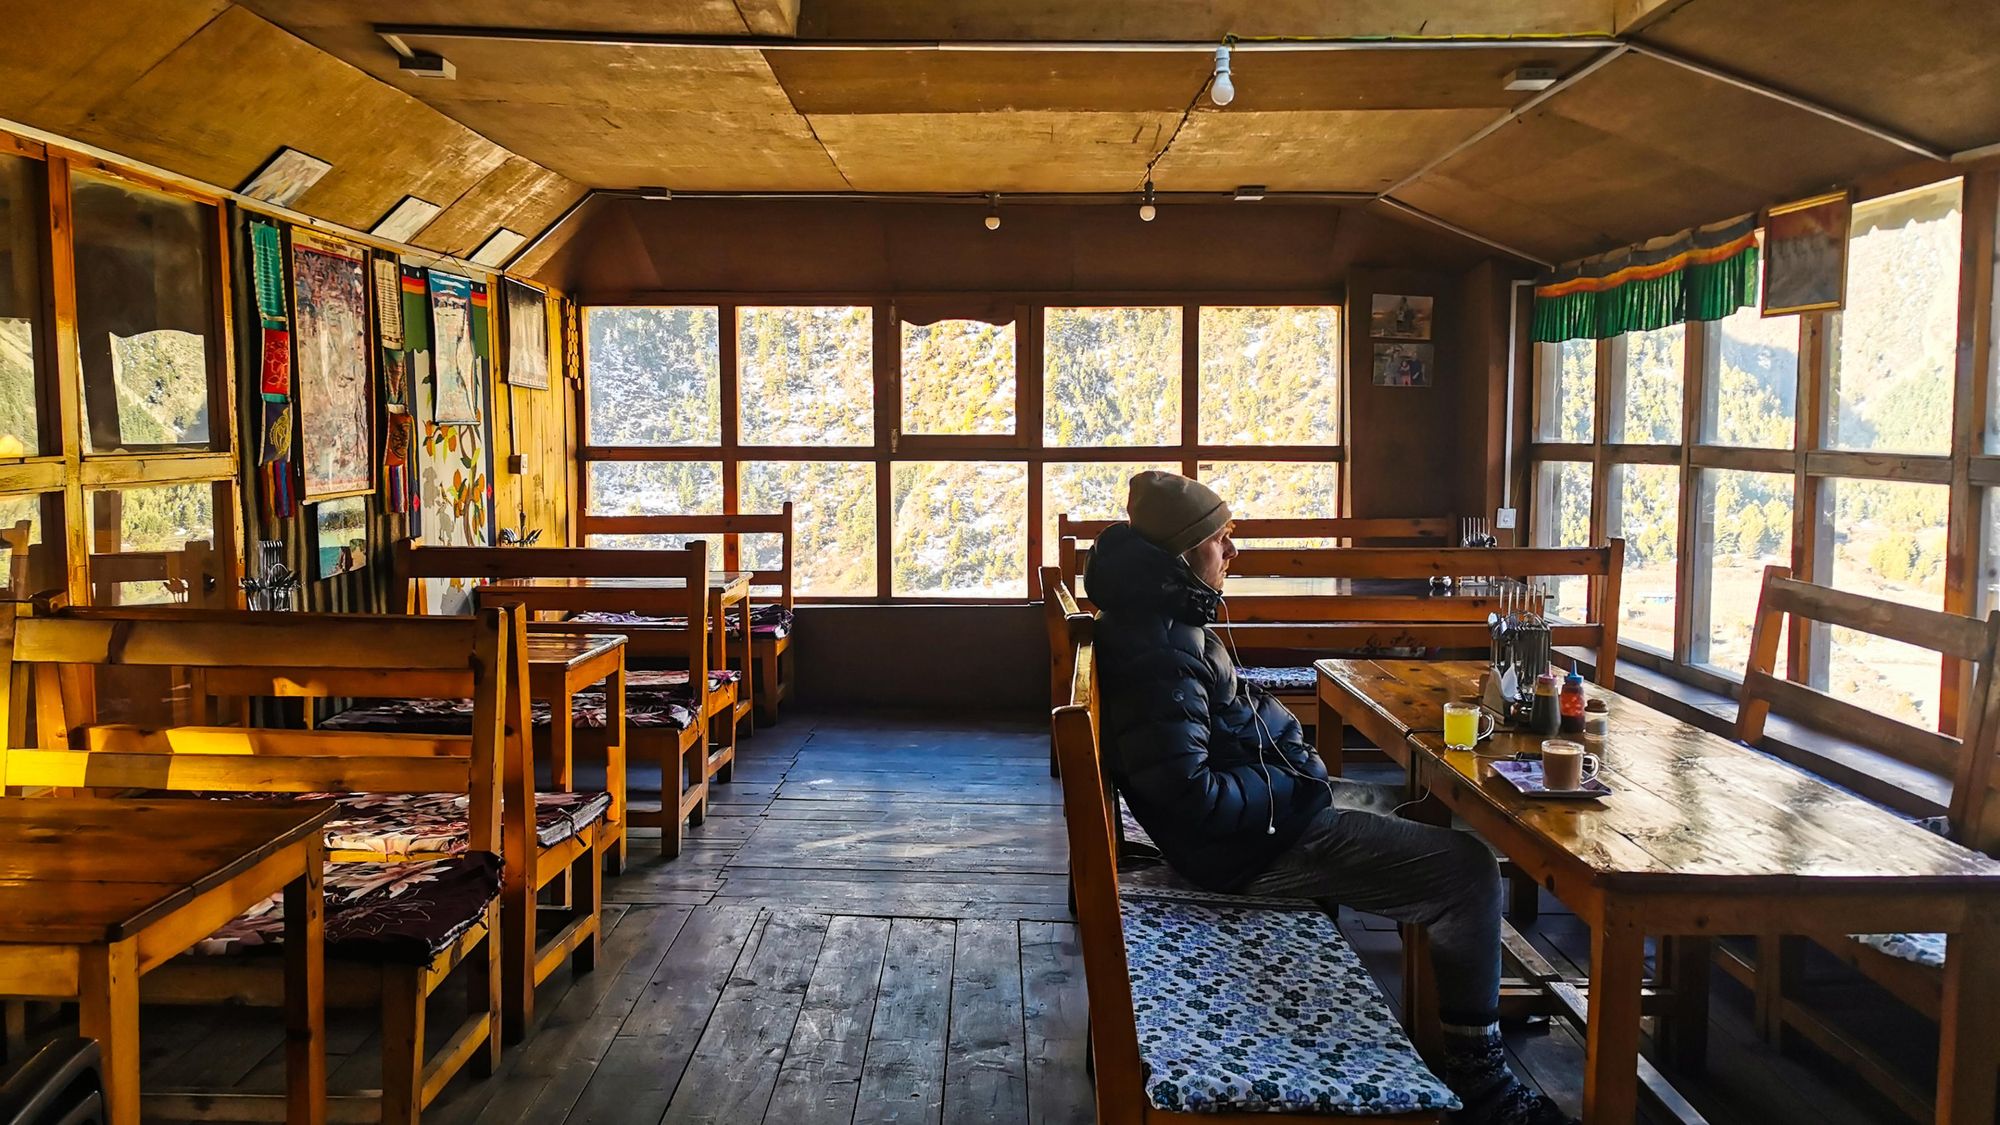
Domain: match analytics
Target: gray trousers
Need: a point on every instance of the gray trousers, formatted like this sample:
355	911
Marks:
1359	854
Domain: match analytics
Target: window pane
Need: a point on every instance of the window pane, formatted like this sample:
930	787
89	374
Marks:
1895	345
1112	377
1989	586
655	488
1270	490
961	528
1651	383
1887	540
1270	376
144	292
1646	501
808	375
958	378
31	548
1753	380
1745	525
149	545
1093	490
1562	519
833	522
1567	399
22	219
653	376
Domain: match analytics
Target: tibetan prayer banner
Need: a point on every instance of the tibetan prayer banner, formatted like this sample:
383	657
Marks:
1704	273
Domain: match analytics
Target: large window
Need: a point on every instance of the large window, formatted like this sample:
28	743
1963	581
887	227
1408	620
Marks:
22	214
1862	495
913	459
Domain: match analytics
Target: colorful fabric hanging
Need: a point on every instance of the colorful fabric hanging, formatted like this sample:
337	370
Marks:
268	268
276	482
1704	273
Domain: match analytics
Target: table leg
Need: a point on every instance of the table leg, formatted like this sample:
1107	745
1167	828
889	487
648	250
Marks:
1327	732
1683	1026
1969	1029
305	993
108	1011
1611	1037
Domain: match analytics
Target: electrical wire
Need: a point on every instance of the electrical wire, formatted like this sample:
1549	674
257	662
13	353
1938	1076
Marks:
1182	124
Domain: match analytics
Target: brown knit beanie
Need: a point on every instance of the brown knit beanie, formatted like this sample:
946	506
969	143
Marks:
1172	512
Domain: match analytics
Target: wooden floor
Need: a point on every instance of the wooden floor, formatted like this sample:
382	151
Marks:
871	928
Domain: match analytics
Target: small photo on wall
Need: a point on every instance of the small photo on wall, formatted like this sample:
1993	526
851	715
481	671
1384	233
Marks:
340	536
1397	317
1805	255
1403	365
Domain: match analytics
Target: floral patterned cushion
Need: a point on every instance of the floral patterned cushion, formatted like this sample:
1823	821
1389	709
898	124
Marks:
637	678
1246	1009
1922	949
404	913
769	621
454	716
1281	681
397	826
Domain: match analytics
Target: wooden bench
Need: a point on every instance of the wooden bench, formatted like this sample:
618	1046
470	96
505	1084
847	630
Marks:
381	953
688	754
1317	1039
771	619
1340	613
1911	966
1058	606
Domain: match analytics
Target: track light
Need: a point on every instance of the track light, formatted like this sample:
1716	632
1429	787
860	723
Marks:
993	211
1222	89
1147	211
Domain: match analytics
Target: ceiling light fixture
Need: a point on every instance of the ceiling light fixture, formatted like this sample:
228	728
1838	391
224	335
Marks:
1147	211
1222	89
993	211
1533	76
1249	193
426	64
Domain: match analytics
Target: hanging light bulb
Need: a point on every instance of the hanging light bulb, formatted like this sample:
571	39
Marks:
1147	211
1222	89
993	211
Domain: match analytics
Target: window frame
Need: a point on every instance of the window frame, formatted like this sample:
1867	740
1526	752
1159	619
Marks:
891	446
1967	469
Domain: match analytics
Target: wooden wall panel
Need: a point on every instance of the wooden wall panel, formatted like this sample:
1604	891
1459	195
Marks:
1404	457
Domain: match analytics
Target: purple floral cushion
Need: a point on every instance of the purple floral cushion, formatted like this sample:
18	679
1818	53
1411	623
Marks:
454	716
403	913
397	826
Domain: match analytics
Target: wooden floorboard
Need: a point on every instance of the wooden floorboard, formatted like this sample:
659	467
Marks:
872	926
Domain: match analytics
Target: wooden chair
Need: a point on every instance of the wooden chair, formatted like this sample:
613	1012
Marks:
771	618
1137	948
395	970
691	749
1911	966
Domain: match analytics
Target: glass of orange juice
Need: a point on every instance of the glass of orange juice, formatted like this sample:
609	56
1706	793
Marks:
1464	725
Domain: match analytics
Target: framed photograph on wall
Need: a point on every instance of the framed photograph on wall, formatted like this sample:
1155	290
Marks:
1404	364
1394	316
1805	254
340	536
527	312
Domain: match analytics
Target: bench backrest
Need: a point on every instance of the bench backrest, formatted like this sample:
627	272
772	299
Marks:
1966	761
185	572
1058	605
730	529
1093	852
482	657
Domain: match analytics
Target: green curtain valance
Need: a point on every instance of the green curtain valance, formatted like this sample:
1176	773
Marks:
1704	273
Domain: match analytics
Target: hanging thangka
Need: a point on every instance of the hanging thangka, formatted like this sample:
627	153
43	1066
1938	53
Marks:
453	487
455	354
330	310
1704	273
396	289
274	390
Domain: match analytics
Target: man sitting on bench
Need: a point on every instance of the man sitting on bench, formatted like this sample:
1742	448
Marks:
1221	777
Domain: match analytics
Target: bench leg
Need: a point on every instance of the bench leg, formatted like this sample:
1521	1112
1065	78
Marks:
482	994
402	1045
1683	964
587	888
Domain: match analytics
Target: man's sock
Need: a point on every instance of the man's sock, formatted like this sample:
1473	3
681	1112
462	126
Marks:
1474	1065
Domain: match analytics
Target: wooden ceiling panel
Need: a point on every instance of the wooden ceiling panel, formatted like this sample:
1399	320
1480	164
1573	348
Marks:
520	195
1330	151
1032	151
225	100
1445	78
83	48
1928	68
1209	21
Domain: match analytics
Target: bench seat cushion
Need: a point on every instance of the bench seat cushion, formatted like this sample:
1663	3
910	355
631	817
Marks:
1282	681
398	825
768	622
1249	1009
1919	949
454	716
397	913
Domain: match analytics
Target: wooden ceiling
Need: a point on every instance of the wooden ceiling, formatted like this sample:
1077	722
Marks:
1637	147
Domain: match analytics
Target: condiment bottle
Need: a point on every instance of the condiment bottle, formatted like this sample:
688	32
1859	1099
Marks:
1596	719
1572	703
1545	717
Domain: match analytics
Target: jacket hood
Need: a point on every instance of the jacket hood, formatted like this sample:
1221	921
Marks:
1128	574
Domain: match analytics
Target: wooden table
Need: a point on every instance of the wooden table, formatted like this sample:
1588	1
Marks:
1701	837
726	589
559	666
95	893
